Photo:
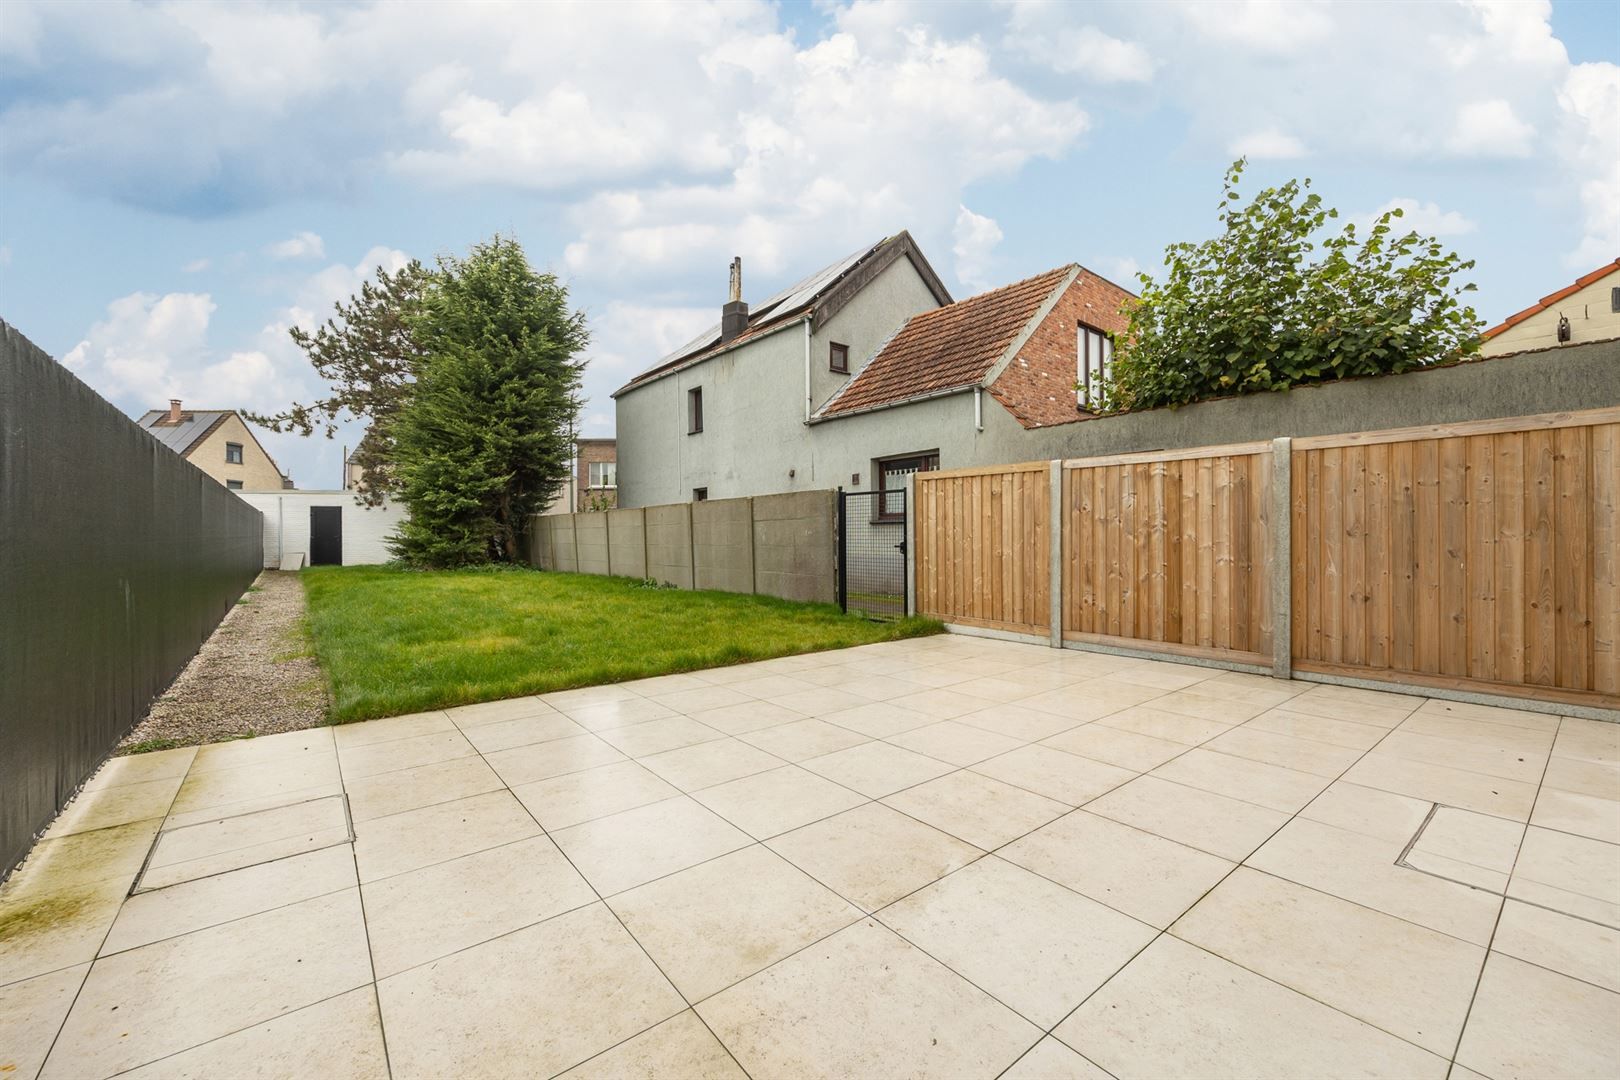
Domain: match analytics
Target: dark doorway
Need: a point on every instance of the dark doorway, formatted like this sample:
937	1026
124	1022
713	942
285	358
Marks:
326	536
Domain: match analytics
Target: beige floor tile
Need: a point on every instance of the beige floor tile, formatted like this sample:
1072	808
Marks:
210	901
1370	812
592	793
467	717
879	719
802	739
141	768
175	994
392	845
770	686
1573	874
607	715
585	697
985	812
541	761
1056	774
1144	876
82	858
1479	733
745	717
1442	784
633	847
1588	740
769	803
876	769
1490	714
1476	849
1528	1021
1362	870
1584	815
820	700
1371	707
410	789
863	1003
538	1001
522	731
44	928
1037	947
365	732
1017	722
1205	706
721	921
679	1047
1160	724
393	755
1579	948
1051	1060
142	801
292	778
1177	1010
669	684
31	1013
441	909
699	698
1473	755
1303	755
873	855
942	703
341	1036
1271	786
179	818
1114	746
1164	676
657	736
1349	734
706	764
1202	819
959	744
1092	699
216	847
1408	980
287	748
1580	777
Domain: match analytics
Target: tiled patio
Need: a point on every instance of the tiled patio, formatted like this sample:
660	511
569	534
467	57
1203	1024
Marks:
945	857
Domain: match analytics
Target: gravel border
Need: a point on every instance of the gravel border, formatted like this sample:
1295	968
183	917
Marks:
255	675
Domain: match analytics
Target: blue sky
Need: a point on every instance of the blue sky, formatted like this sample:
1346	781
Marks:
180	183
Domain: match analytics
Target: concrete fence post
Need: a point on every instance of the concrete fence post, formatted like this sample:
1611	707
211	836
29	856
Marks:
646	548
1054	554
607	540
691	542
753	558
1282	558
573	527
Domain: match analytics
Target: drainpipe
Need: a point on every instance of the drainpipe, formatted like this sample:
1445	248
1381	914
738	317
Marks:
808	400
978	409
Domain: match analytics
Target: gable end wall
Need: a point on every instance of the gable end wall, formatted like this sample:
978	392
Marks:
1037	387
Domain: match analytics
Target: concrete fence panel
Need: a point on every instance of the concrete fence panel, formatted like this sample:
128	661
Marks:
795	546
669	544
591	534
627	542
563	552
723	545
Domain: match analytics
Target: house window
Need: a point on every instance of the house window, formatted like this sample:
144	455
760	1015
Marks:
604	474
892	473
1614	299
694	410
233	453
234	485
838	358
700	494
1094	353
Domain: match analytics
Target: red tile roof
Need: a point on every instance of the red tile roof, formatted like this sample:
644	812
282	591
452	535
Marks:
1548	301
948	348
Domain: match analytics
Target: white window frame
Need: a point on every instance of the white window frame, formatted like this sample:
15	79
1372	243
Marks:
593	479
1093	356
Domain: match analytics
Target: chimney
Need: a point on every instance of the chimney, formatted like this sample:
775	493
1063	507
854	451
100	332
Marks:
174	411
734	316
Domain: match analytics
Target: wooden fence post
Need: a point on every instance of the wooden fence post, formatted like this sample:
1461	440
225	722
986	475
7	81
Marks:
1282	558
1054	554
910	486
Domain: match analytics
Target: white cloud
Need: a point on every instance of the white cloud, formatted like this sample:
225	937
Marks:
1120	269
302	245
976	237
1421	217
195	266
1268	144
1284	27
1490	129
142	345
1590	104
1043	31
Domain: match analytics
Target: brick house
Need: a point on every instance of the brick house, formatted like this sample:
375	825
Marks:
219	442
594	483
865	372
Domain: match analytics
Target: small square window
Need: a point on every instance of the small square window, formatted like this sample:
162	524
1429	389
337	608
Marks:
233	453
700	494
694	410
838	358
234	485
891	477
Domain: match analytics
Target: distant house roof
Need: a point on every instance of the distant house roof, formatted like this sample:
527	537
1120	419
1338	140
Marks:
1548	301
949	348
194	426
822	294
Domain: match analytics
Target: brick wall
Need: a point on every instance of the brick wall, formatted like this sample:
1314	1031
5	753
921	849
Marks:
593	450
1038	386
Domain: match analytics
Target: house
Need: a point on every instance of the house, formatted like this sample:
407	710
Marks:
594	484
1587	310
219	442
862	373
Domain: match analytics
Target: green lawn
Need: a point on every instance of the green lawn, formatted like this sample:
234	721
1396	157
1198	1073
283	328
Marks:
398	641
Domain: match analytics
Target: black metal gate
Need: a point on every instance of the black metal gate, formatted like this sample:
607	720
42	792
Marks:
872	553
326	536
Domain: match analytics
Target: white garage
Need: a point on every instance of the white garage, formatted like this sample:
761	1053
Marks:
324	527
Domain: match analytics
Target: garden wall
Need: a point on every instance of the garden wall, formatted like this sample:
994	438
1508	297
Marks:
117	560
776	545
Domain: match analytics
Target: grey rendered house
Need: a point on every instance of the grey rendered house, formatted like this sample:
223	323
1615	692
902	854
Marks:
860	374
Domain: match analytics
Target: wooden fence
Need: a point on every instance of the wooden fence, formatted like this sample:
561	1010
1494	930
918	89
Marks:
1479	556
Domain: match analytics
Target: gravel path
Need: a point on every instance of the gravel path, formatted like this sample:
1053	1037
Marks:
253	676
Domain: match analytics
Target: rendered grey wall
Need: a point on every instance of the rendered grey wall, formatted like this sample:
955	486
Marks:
117	560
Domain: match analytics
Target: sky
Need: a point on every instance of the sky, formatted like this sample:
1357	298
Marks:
181	183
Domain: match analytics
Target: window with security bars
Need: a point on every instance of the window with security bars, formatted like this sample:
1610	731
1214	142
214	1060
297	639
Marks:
604	474
1094	352
892	473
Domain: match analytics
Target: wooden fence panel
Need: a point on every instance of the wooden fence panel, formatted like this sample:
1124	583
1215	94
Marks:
982	547
1170	550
